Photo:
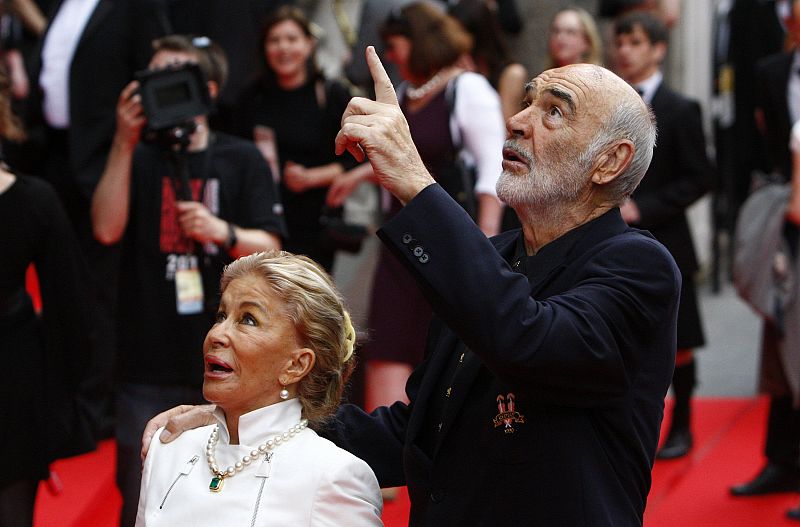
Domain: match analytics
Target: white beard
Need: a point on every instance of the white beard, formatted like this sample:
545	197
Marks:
541	188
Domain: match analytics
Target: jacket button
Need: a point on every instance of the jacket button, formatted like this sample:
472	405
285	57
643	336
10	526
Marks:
407	239
424	258
437	496
418	251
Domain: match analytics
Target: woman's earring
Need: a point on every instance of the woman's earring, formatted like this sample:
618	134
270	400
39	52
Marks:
284	393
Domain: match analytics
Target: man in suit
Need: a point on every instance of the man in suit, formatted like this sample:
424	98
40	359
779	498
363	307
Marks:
90	51
778	107
542	392
676	178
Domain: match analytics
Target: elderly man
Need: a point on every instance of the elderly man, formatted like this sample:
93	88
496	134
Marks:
542	392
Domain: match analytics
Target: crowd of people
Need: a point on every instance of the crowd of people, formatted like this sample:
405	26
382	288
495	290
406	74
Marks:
537	272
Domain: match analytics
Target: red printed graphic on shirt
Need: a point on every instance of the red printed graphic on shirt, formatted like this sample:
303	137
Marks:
171	238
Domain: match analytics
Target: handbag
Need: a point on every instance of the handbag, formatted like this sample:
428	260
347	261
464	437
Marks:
339	235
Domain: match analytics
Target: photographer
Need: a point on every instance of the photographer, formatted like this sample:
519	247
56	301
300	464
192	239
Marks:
174	249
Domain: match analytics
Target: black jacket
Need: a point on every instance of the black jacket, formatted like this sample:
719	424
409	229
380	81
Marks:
772	76
584	345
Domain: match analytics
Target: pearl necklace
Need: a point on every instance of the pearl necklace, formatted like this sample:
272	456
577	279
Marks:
421	91
263	448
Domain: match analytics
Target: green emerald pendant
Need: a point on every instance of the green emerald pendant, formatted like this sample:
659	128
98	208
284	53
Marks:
216	484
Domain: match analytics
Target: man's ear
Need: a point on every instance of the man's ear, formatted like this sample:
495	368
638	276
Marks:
660	50
299	365
612	162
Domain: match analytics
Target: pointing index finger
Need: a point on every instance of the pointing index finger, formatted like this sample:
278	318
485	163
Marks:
384	91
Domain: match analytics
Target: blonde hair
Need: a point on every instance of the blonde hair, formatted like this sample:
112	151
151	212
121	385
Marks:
594	53
318	314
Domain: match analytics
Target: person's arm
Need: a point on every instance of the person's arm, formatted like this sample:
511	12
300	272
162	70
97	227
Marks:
198	223
20	85
147	471
377	437
175	421
378	130
299	178
490	214
348	490
111	199
347	183
575	348
480	122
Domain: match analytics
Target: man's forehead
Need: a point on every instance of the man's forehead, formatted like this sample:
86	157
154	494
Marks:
578	84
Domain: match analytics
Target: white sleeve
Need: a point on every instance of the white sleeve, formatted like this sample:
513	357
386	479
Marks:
147	470
479	118
794	140
348	495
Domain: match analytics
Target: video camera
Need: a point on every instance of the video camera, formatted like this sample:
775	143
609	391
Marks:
171	99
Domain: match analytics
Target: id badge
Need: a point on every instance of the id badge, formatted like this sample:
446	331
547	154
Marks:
188	287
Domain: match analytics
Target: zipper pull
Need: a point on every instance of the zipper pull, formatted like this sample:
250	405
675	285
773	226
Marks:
265	467
190	465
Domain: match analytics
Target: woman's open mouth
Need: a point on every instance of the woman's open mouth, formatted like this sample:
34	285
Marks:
216	367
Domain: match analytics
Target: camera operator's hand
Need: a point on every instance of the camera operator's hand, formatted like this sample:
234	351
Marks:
198	223
111	199
130	115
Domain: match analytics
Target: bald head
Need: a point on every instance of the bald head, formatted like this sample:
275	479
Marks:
585	139
602	89
619	114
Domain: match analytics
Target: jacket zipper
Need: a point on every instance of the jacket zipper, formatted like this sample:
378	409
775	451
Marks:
263	472
185	472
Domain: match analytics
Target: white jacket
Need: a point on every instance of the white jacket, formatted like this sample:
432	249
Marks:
308	480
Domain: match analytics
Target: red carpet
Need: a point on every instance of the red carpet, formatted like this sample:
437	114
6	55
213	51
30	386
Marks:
688	492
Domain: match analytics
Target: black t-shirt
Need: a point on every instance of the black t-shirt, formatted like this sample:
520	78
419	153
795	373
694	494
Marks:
305	132
157	344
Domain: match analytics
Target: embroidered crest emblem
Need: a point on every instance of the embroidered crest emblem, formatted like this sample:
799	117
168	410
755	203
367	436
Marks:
508	414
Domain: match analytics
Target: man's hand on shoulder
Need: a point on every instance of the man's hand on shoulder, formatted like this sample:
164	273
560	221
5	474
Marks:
176	421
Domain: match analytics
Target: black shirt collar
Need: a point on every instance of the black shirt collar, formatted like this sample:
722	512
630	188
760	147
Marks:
555	253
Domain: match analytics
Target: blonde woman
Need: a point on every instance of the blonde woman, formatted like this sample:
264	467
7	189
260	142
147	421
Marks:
276	361
574	39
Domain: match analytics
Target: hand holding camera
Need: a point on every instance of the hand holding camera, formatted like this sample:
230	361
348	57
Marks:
130	116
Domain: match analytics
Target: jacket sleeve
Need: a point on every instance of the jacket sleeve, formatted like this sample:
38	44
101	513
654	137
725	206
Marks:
348	494
147	473
376	437
379	437
577	348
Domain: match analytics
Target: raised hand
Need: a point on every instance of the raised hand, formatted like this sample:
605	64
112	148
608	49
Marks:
130	115
378	131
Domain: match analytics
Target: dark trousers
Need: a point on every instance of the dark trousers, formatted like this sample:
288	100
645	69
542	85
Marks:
783	433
